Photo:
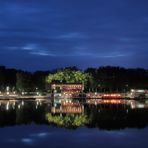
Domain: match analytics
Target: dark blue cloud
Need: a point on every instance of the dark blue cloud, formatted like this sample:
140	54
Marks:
36	34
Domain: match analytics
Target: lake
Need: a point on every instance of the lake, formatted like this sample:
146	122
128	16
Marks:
106	124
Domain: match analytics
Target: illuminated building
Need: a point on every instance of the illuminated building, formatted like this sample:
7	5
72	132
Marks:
138	93
66	91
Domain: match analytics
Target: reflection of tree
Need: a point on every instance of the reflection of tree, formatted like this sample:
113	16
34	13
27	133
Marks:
28	113
68	120
7	117
108	117
116	117
25	114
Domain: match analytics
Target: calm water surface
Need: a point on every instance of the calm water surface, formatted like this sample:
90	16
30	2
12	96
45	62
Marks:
38	124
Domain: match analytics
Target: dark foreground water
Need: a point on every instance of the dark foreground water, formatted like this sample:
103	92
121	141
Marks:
49	136
33	124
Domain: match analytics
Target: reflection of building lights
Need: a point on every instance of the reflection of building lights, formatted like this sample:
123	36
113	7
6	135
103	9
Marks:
22	103
112	101
37	103
40	102
13	105
36	106
19	106
7	106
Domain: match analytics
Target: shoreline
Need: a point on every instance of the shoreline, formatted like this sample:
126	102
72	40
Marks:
18	97
3	98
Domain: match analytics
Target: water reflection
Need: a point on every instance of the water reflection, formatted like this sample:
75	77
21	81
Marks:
102	114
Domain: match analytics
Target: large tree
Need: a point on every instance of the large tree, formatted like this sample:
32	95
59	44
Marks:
68	76
24	81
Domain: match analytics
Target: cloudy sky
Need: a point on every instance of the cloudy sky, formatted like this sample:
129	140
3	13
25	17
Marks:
45	34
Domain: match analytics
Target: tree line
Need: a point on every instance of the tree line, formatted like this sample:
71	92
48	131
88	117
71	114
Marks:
108	78
19	80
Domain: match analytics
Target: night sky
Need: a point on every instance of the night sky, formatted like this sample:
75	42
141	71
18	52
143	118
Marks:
45	34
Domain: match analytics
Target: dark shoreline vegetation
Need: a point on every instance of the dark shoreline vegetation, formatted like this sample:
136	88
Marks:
101	79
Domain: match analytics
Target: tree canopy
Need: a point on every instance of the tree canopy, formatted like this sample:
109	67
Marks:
68	76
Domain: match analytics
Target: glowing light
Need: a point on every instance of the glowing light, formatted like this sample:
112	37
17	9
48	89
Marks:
22	103
7	106
111	95
19	106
